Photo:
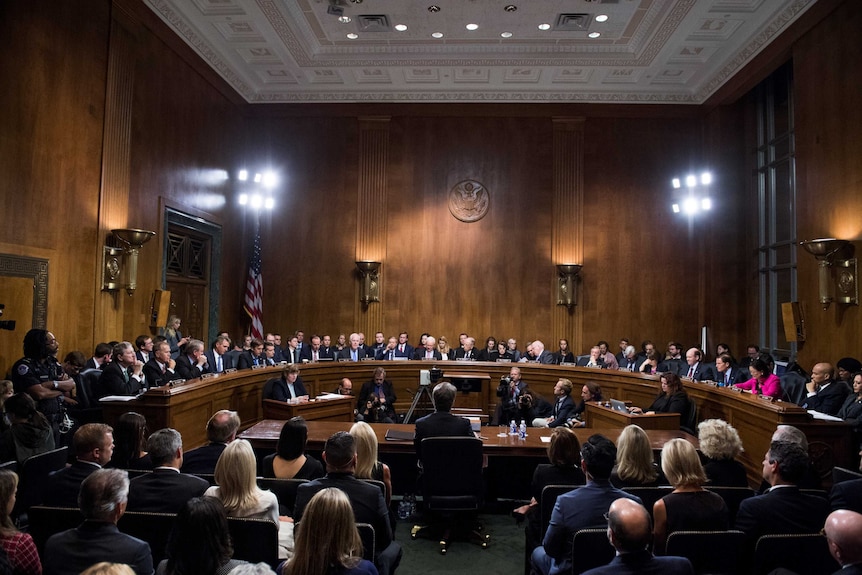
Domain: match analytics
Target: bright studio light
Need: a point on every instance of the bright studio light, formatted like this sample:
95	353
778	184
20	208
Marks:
243	199
675	183
243	175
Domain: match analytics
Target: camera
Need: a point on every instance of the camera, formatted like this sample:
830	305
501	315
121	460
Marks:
376	411
525	401
503	388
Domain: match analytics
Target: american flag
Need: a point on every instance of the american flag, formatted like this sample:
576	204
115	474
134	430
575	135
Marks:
253	305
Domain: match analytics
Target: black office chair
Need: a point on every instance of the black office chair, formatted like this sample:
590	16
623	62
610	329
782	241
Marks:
808	553
732	496
688	421
710	552
154	528
285	492
839	474
369	540
591	549
254	540
46	521
34	478
452	486
88	409
10	466
549	499
792	387
649	495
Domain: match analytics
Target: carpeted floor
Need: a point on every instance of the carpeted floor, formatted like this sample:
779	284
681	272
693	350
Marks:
504	555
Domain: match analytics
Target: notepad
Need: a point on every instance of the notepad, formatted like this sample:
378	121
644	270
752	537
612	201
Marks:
396	435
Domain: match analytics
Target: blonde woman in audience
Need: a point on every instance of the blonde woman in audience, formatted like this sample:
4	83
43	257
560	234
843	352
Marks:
721	445
327	542
443	347
105	568
635	462
19	547
689	507
172	334
367	465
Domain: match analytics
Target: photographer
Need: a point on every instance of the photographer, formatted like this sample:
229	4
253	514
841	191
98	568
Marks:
532	407
376	403
509	391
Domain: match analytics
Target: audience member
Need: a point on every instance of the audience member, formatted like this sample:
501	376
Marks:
19	547
30	433
328	541
376	402
221	430
236	480
629	531
591	391
724	349
824	393
101	357
7	390
106	568
563	406
810	480
689	507
162	367
721	445
762	380
580	508
635	465
200	540
289	460
144	345
102	502
843	532
847	494
441	423
287	386
130	443
367	464
165	489
93	444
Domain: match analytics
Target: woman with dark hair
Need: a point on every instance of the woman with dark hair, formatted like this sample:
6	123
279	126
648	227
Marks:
650	364
130	442
19	547
724	349
502	353
564	354
490	348
851	411
30	433
845	368
200	541
289	460
671	399
591	391
762	381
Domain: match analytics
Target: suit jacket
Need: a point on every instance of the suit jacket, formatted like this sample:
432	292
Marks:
295	356
828	399
226	360
644	563
368	389
345	354
91	364
781	510
702	371
246	360
563	411
586	360
277	389
851	570
327	352
737	375
367	501
440	424
203	459
72	551
63	485
154	375
847	495
186	370
408	351
461	354
113	382
546	357
140	356
419	353
164	490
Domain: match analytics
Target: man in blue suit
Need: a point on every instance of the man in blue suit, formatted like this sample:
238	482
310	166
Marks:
630	532
218	358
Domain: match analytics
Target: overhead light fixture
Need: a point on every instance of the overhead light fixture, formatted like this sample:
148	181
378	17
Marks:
344	19
594	34
602	18
544	26
437	35
433	8
353	36
257	178
401	27
472	27
270	179
698	198
506	34
243	175
510	8
846	276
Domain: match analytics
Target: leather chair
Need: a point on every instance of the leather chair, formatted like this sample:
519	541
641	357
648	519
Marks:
285	492
154	528
792	387
591	549
46	521
369	540
713	552
688	421
732	496
839	474
88	409
254	540
34	477
649	495
808	553
452	487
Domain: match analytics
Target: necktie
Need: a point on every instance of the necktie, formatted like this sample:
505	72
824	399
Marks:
727	377
218	364
391	355
401	348
314	356
127	374
690	372
353	354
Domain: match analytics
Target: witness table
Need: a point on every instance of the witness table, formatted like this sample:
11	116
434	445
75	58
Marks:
599	416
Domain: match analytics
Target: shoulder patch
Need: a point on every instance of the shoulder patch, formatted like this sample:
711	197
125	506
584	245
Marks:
23	369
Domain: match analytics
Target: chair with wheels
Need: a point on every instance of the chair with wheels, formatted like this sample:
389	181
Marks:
452	489
713	552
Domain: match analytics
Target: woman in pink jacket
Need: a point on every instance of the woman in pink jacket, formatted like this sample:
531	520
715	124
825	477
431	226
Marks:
762	381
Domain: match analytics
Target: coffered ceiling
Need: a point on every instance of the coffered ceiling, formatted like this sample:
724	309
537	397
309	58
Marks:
645	51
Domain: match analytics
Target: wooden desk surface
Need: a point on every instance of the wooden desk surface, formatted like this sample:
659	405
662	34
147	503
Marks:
599	416
264	435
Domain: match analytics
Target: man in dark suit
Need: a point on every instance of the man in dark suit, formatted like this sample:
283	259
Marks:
509	391
192	363
161	368
468	352
93	444
124	375
311	353
269	354
404	349
103	501
782	509
580	508
218	358
630	532
101	357
288	386
847	494
252	357
376	402
354	351
630	361
593	360
369	505
164	489
221	430
144	345
292	353
844	534
326	349
825	394
542	355
563	407
694	368
441	423
428	351
728	375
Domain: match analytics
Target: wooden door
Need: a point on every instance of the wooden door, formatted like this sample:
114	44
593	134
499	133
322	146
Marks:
16	293
188	271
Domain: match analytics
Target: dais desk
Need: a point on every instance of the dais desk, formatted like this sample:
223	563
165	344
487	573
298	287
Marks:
599	416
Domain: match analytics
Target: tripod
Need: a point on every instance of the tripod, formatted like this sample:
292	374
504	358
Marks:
423	391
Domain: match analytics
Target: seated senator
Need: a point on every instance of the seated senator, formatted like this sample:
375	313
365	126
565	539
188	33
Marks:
762	381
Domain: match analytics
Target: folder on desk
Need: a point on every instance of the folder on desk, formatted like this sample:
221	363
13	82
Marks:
395	435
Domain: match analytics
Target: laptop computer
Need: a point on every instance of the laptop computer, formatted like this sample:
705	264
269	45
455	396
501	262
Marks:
618	405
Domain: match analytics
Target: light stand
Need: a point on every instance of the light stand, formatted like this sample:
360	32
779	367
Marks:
427	378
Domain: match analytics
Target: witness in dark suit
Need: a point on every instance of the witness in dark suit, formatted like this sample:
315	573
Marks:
251	357
218	358
428	351
720	444
782	509
102	503
165	489
288	386
124	375
441	423
93	444
162	368
192	363
221	430
843	531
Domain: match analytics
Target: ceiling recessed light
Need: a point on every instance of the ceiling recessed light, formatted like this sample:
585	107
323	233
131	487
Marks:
437	35
401	27
353	36
506	34
344	19
544	26
594	34
472	27
602	18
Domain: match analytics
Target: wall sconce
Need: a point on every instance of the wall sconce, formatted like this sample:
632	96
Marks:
845	277
567	286
369	290
120	264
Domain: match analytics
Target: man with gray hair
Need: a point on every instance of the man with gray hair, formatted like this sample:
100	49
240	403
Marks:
221	430
441	423
165	489
541	354
193	363
630	360
102	502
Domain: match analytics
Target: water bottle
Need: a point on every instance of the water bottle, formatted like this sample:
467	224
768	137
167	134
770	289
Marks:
405	507
513	428
522	430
